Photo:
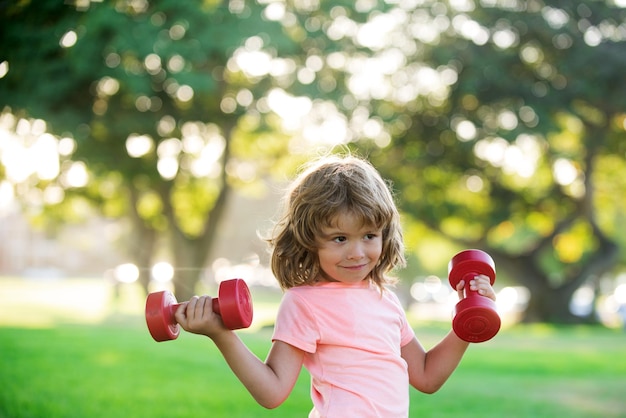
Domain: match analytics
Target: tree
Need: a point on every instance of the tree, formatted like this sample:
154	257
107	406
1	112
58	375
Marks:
487	116
516	152
173	105
161	103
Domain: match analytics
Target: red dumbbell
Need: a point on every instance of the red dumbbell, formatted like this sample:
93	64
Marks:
233	304
476	318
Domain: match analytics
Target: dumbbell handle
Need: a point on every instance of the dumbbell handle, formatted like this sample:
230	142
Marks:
468	291
215	307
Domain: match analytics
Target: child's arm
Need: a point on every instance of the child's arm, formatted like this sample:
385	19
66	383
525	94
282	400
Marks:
428	371
269	382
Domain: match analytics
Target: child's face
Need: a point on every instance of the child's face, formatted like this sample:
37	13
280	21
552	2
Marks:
348	250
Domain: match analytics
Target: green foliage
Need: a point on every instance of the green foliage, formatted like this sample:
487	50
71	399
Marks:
195	199
486	165
163	71
474	110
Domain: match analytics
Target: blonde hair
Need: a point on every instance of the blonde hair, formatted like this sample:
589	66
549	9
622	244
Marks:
327	187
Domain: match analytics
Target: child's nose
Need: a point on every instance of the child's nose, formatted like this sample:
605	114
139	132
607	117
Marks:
356	252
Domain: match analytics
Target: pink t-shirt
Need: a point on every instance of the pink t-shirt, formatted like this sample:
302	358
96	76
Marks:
351	335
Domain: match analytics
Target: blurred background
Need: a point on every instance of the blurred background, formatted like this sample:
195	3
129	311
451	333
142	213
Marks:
145	144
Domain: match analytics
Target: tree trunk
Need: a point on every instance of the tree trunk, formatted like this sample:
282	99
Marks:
141	241
550	305
191	253
189	258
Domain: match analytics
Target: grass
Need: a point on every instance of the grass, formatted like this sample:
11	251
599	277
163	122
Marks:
97	365
117	371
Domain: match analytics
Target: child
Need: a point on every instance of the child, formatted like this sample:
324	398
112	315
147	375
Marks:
338	237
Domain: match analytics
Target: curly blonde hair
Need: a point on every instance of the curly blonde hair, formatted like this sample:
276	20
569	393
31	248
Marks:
324	189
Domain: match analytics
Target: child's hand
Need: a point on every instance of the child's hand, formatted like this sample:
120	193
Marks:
197	316
481	283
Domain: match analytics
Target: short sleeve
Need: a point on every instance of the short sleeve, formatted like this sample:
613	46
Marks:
295	323
406	332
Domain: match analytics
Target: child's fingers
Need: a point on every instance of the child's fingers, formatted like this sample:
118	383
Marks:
482	284
198	308
181	314
459	288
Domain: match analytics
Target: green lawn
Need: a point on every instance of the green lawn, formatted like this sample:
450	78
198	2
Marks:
112	368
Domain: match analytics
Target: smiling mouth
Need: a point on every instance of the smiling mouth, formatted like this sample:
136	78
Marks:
357	267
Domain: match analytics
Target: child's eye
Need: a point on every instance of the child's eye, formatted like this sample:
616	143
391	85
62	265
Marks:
370	236
339	239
